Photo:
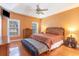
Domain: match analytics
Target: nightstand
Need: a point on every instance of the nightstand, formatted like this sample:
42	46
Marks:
27	33
70	42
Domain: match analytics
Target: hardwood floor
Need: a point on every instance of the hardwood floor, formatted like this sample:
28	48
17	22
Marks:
23	51
61	51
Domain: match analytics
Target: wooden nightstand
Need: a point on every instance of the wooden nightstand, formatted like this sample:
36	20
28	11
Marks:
27	33
70	42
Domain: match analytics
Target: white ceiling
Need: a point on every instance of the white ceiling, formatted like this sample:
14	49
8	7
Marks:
29	8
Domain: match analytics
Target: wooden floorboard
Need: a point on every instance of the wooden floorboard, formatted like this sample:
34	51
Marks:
61	51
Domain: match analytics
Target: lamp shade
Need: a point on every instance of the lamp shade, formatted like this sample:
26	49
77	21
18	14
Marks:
72	31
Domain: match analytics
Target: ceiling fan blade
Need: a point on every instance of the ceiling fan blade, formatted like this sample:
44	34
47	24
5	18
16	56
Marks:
42	13
43	9
39	12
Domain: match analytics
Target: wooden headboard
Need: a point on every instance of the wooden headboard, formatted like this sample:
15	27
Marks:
55	30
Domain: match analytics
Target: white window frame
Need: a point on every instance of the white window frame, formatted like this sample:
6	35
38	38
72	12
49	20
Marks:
37	31
18	21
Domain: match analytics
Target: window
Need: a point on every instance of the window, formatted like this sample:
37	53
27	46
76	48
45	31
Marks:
34	27
13	27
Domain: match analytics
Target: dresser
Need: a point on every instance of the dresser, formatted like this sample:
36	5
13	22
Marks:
27	33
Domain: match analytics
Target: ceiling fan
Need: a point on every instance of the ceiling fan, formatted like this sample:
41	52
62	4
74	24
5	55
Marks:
39	10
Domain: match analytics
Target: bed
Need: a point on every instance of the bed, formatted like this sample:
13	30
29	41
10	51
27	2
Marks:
43	42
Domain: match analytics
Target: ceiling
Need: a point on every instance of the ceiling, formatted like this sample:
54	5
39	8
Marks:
29	8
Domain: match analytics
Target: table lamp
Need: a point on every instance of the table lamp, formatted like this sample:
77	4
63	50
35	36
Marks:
72	32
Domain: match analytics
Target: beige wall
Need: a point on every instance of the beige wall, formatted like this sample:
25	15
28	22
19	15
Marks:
4	29
67	19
